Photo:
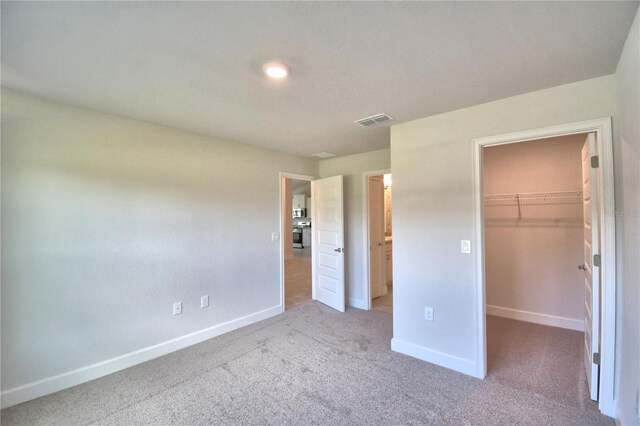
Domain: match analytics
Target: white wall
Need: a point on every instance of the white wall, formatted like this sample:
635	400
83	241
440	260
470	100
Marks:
352	167
627	155
107	221
432	163
531	262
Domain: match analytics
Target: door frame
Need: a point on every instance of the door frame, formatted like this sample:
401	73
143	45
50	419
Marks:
365	245
602	128
287	175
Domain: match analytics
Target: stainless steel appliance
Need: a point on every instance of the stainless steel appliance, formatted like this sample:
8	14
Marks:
297	238
299	212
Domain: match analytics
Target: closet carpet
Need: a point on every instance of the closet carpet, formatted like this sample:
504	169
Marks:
313	365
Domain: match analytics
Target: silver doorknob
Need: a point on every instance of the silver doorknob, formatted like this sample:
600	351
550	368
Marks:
339	250
582	267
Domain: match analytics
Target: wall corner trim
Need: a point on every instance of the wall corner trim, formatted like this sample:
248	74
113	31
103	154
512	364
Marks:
544	319
619	416
66	380
442	359
357	303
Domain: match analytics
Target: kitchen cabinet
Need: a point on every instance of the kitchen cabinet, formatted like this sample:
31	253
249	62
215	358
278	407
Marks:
299	201
309	207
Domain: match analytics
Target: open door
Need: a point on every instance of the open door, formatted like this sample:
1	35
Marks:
377	260
590	188
328	242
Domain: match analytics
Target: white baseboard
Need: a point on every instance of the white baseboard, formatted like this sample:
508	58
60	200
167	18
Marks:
357	303
442	359
72	378
544	319
620	418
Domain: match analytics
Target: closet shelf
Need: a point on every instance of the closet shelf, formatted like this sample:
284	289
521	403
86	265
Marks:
525	199
533	199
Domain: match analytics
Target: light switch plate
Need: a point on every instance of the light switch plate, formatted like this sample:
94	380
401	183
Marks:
204	301
465	246
275	236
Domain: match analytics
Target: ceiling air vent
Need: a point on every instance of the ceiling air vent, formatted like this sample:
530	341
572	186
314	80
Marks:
378	118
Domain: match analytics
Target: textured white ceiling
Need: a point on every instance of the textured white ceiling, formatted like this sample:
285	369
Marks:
197	66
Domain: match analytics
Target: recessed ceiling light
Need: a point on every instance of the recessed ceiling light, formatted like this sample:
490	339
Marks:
276	69
323	155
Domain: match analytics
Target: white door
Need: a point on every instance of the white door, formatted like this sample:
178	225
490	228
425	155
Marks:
590	188
328	242
377	259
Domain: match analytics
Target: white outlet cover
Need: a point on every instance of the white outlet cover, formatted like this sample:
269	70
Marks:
177	308
428	313
204	301
465	246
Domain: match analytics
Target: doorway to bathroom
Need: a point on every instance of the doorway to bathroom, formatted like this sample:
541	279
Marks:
379	244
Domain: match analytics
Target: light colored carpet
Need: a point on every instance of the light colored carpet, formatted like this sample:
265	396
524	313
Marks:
310	365
539	359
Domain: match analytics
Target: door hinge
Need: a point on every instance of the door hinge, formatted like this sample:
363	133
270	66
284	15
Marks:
596	358
595	162
597	260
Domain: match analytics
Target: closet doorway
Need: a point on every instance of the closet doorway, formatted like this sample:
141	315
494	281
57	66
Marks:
545	261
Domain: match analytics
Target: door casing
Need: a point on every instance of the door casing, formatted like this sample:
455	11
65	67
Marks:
286	175
376	225
602	129
365	215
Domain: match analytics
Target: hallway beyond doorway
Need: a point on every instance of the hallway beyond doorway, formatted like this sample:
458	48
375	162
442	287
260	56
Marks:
298	278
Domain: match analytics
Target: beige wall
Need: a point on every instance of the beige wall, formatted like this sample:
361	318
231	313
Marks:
107	221
531	261
627	157
432	163
352	167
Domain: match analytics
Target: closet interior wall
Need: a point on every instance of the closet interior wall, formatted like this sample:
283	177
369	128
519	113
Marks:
534	227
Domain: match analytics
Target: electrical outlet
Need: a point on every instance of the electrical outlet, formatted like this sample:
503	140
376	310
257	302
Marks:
275	236
465	246
428	313
204	301
177	308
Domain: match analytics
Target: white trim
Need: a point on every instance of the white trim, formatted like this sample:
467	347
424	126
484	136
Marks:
602	128
357	303
462	365
81	375
535	317
620	418
287	175
365	239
